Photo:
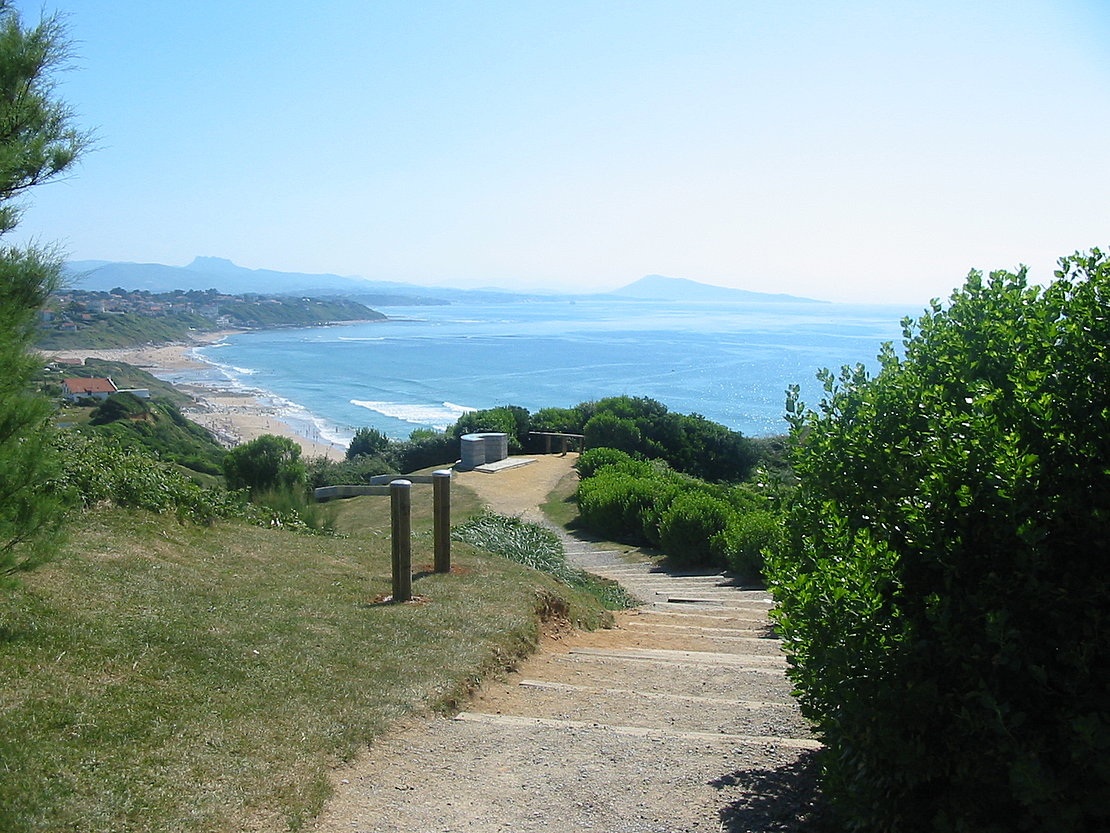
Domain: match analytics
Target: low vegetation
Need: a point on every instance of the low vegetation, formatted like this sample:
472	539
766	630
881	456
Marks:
637	425
696	523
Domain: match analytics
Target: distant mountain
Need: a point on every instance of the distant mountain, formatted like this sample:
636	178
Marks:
660	288
219	273
206	273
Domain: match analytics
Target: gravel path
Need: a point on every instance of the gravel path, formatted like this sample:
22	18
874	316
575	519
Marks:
678	719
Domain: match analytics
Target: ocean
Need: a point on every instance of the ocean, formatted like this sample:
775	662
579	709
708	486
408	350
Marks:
425	366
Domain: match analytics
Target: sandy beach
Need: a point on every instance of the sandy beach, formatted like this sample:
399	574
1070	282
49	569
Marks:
233	416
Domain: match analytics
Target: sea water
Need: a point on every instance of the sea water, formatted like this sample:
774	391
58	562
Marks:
425	366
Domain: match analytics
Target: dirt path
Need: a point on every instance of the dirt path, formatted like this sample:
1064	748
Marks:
678	719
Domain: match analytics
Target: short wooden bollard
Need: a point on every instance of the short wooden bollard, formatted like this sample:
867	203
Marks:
441	519
400	504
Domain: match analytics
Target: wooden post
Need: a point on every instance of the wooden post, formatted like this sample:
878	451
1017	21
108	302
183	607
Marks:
400	504
441	521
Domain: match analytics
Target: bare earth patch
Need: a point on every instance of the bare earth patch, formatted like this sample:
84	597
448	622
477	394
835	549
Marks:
677	719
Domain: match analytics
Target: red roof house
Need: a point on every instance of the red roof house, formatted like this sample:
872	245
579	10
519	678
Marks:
96	387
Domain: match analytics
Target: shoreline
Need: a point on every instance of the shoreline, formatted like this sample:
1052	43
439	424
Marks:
233	416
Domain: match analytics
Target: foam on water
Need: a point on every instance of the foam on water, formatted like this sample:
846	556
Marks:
439	416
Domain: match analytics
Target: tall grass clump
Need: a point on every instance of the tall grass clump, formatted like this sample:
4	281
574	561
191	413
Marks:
540	549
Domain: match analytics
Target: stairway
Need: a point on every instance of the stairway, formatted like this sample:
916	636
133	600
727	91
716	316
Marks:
678	719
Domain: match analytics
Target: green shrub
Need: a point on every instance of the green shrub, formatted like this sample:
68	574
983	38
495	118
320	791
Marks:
366	442
944	591
664	490
425	452
591	460
689	526
119	406
607	504
745	539
98	470
611	431
266	463
294	503
506	419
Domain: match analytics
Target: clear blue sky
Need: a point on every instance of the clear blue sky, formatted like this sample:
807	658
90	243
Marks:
868	151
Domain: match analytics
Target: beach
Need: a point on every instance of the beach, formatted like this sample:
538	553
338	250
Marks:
233	416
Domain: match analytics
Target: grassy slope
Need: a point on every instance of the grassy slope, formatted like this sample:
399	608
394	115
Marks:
166	677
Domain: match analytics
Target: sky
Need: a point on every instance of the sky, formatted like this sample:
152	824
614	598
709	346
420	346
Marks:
849	151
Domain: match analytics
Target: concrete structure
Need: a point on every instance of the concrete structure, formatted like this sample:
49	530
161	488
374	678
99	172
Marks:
477	449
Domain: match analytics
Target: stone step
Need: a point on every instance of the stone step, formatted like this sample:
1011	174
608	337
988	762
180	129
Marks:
751	662
518	721
715	614
562	701
704	639
663	678
651	570
655	695
666	627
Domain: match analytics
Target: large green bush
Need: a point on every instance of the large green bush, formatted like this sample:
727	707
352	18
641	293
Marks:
747	537
611	503
595	458
945	593
505	419
691	525
367	442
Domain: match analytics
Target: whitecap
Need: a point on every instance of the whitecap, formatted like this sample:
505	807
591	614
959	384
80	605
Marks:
440	416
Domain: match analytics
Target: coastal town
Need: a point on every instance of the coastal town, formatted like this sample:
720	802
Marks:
67	310
75	317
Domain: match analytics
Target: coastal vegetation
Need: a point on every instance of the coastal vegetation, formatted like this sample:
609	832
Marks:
678	482
194	662
153	424
540	549
38	143
638	425
693	521
943	589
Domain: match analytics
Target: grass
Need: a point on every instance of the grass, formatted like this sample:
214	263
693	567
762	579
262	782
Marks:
542	550
177	677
